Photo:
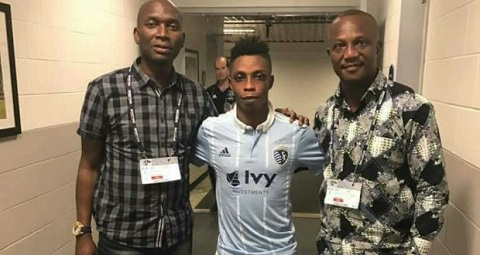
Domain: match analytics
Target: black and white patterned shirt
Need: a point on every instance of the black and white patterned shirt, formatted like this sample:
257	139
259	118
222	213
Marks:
125	210
404	187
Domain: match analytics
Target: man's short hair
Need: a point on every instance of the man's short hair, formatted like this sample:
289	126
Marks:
356	12
251	46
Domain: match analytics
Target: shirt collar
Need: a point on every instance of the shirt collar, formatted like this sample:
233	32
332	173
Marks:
372	92
263	127
144	80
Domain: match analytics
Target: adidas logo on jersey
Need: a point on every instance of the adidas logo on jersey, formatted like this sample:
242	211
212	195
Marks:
224	153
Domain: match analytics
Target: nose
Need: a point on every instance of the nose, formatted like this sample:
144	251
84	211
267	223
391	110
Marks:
249	86
351	52
162	31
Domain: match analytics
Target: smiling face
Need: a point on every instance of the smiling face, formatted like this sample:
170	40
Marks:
353	49
251	79
159	32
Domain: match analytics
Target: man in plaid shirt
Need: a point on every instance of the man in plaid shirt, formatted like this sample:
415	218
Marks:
136	124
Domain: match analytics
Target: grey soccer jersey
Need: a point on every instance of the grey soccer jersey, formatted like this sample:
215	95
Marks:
254	169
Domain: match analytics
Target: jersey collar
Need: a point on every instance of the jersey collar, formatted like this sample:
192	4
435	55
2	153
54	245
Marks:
263	127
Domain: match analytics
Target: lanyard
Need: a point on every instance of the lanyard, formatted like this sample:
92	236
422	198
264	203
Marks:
369	135
131	111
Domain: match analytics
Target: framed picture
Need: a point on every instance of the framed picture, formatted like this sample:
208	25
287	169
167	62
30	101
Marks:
192	65
9	110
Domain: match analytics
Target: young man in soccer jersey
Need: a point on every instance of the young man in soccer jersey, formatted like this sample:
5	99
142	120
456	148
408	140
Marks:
254	152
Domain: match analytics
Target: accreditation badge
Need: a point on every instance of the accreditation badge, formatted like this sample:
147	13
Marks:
159	170
343	193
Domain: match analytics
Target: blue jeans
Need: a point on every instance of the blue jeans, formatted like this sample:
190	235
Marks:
108	247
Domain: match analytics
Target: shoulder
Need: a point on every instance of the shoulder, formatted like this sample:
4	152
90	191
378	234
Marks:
220	120
411	105
109	82
212	87
192	88
406	98
284	121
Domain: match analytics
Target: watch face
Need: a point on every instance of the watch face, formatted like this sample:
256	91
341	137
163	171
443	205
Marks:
77	229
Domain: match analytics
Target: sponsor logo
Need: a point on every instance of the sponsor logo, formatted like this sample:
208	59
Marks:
257	179
280	156
224	153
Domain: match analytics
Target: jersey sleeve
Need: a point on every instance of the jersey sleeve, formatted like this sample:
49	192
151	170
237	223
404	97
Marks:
309	154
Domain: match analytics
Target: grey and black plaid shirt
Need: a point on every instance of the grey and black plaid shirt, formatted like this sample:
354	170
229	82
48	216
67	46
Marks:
125	210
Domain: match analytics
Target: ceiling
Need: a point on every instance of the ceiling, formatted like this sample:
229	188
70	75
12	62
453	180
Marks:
279	28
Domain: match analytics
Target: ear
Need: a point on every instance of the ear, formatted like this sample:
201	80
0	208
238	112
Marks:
183	39
272	78
136	36
379	46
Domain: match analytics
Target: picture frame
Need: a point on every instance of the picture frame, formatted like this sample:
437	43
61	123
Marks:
9	107
192	65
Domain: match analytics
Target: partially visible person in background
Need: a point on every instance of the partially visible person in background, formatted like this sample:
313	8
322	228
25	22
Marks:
221	92
222	96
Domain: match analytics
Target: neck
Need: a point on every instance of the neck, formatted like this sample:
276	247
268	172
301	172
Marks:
353	95
157	72
353	92
253	116
223	85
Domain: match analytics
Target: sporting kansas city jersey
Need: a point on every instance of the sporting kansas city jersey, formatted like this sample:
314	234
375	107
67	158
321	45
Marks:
254	170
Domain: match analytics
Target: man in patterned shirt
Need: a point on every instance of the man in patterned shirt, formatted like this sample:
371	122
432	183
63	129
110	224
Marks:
384	188
137	127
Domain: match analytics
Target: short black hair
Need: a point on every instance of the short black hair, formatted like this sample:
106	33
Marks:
250	46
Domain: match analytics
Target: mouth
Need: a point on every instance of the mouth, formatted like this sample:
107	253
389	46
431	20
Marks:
160	49
249	98
352	66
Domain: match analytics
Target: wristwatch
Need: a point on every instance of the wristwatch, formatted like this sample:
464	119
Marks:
79	229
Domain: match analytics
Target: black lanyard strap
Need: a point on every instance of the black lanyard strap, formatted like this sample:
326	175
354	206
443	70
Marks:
131	113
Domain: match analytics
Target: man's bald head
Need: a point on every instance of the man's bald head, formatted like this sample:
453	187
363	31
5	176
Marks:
164	3
370	21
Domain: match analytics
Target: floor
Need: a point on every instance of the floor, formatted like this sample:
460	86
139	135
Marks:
205	231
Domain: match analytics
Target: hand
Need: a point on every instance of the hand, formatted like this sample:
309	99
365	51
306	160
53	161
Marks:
85	245
294	116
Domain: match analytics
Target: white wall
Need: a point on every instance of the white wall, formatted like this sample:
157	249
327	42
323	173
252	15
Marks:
452	82
391	39
60	45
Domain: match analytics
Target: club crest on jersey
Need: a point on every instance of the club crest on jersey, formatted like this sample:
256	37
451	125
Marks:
280	155
232	178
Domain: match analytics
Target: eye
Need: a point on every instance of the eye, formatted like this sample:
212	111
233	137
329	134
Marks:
260	76
362	43
151	23
174	26
338	47
238	77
